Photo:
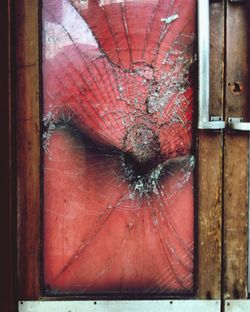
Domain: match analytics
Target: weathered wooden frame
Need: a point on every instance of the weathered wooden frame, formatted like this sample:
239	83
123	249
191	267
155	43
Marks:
210	164
28	147
235	176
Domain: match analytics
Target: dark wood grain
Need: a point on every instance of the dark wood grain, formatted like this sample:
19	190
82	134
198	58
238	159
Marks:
210	170
236	156
28	148
7	211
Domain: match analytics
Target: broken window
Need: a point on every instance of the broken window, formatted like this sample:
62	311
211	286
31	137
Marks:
118	190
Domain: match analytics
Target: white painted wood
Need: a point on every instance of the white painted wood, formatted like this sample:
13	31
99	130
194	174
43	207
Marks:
237	305
121	306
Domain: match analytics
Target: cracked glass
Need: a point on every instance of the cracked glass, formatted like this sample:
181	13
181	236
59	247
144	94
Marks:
118	186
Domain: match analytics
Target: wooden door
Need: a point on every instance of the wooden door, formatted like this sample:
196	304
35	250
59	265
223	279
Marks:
137	74
210	222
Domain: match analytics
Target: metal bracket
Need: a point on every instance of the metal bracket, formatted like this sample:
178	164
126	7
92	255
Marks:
237	124
214	123
235	1
121	305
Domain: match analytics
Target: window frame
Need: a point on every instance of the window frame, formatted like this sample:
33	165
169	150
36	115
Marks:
27	17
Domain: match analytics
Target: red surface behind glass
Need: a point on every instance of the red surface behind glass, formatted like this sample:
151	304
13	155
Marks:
118	181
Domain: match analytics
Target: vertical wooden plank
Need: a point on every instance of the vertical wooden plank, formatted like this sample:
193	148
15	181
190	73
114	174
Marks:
7	211
210	170
236	155
28	147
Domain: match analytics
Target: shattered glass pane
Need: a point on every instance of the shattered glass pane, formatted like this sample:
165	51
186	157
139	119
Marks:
118	150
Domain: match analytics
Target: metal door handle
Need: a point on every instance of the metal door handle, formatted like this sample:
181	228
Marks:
205	121
237	123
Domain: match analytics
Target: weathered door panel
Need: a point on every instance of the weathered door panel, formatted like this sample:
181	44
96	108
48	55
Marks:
235	191
210	168
130	205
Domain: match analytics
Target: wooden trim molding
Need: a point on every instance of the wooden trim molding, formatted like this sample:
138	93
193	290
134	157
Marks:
28	147
210	164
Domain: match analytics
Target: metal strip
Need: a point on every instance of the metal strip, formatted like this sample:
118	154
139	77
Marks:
203	56
121	306
237	123
237	305
204	122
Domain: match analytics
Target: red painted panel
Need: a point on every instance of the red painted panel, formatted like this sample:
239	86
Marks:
118	163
